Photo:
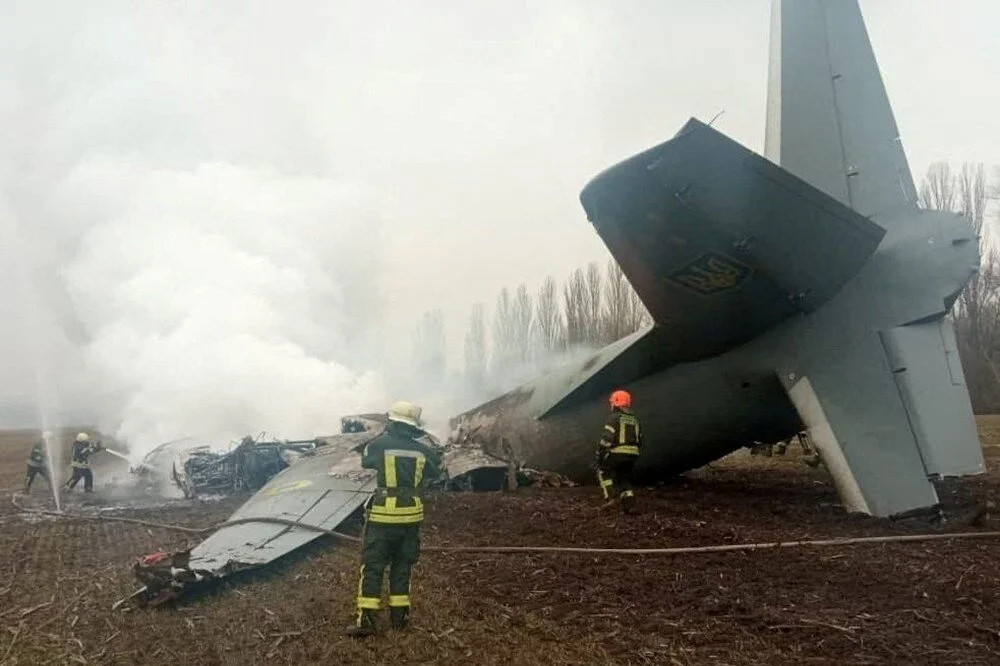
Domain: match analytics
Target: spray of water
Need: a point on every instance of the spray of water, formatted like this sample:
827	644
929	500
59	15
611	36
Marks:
30	315
51	451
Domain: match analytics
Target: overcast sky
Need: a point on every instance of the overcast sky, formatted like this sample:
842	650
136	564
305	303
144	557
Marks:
457	136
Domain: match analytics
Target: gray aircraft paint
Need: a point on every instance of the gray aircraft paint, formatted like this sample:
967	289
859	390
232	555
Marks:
813	294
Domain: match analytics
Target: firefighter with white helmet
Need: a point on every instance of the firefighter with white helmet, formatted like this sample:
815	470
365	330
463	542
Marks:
404	461
83	448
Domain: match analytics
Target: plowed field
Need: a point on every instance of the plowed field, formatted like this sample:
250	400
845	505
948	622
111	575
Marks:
903	603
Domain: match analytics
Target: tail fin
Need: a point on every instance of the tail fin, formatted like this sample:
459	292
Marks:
828	116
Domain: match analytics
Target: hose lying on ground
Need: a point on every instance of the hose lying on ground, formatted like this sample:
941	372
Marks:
846	541
119	519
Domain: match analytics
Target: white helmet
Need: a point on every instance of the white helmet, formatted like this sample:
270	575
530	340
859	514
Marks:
83	437
405	412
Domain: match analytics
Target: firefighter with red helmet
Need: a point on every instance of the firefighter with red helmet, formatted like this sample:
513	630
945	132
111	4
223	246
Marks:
618	450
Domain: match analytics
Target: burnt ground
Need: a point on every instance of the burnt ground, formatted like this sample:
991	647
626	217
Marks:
912	603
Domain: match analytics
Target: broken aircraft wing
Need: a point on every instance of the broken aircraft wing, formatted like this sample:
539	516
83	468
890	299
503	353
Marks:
321	489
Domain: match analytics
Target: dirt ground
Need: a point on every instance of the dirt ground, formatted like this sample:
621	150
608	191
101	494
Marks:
909	603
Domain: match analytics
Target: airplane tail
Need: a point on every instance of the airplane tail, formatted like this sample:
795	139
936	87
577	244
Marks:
829	121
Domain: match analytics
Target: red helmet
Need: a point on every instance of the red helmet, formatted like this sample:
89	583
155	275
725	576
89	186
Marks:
621	399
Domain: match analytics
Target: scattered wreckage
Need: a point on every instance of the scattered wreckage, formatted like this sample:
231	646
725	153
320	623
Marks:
198	470
321	484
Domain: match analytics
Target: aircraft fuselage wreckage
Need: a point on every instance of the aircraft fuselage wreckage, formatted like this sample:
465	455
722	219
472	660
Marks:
804	289
813	293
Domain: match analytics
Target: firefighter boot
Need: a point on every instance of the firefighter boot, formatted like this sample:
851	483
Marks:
399	616
627	499
364	626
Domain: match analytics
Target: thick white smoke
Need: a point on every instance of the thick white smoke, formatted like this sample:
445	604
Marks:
223	300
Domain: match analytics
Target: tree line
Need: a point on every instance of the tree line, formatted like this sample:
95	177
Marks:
528	332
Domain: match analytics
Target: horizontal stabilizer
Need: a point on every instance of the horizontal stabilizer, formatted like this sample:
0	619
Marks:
618	364
721	244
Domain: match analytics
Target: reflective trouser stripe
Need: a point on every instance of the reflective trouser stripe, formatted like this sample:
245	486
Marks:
628	450
627	493
365	603
399	600
604	483
610	428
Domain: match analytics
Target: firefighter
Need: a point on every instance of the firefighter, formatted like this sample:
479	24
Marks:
618	450
404	460
38	463
83	448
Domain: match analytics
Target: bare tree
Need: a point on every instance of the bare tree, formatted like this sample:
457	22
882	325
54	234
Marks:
549	327
522	315
624	313
616	303
475	348
429	346
592	305
574	300
937	192
504	332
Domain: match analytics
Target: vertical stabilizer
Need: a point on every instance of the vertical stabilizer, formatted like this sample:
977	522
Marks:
828	116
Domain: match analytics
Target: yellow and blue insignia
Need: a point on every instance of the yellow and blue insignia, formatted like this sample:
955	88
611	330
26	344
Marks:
711	273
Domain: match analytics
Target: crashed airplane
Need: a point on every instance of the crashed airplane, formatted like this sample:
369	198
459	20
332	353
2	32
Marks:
804	289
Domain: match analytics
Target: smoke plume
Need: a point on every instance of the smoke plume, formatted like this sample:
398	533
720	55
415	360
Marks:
220	300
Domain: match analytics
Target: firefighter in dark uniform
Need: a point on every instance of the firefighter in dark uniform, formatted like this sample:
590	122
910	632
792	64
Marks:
37	463
404	460
618	450
83	448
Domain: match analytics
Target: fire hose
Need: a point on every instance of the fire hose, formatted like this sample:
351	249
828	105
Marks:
772	545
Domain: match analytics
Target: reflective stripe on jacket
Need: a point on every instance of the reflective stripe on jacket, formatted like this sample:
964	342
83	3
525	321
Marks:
622	434
403	464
